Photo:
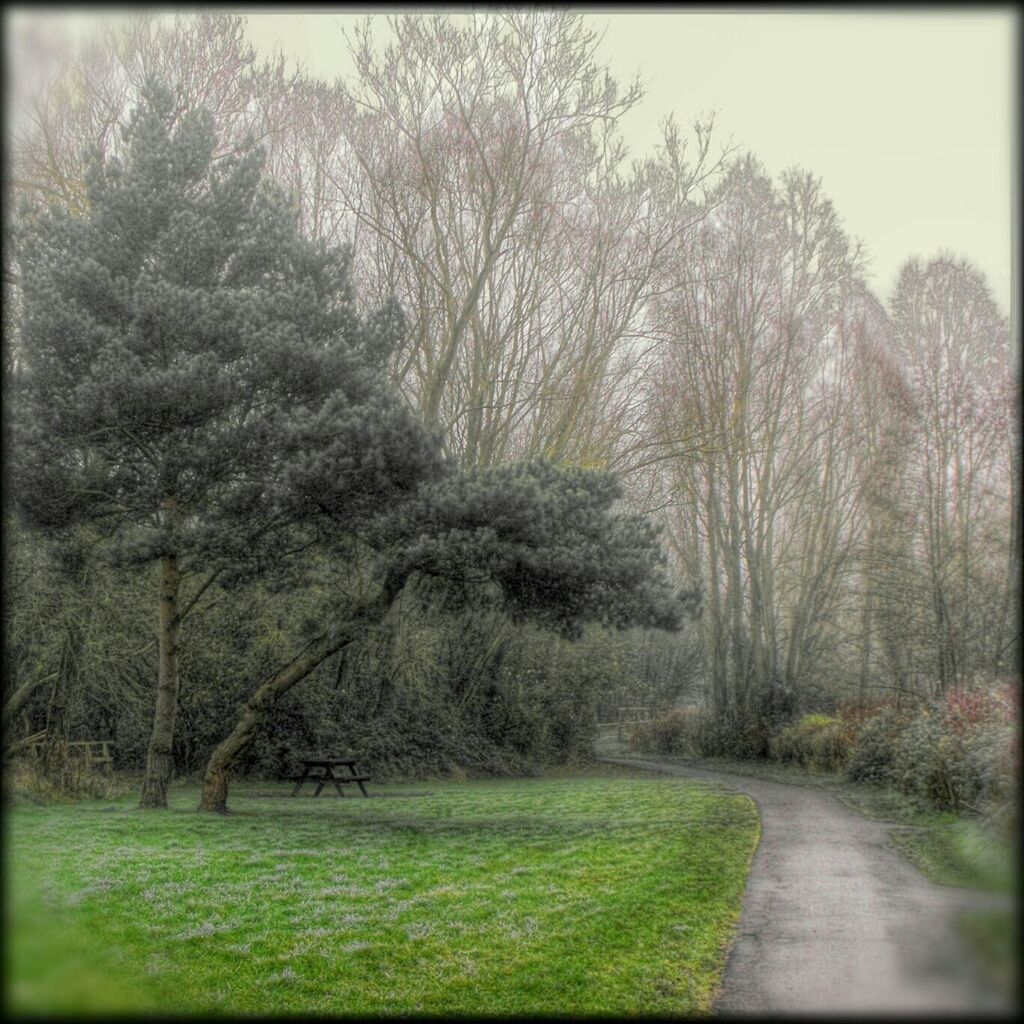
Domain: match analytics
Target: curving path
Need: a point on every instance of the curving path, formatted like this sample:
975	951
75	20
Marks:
835	919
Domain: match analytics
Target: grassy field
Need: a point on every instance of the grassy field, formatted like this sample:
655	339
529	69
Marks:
576	895
960	853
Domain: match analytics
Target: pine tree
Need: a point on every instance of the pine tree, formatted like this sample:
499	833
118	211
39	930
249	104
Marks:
550	544
547	544
193	380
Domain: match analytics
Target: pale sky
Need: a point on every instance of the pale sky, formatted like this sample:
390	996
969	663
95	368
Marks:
908	117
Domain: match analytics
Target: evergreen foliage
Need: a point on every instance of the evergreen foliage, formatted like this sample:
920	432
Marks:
193	378
193	372
551	541
194	384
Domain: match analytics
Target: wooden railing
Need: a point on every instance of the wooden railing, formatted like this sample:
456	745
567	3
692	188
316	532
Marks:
94	752
632	714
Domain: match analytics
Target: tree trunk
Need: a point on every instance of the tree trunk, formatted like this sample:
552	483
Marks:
716	629
20	698
158	758
214	796
257	710
55	746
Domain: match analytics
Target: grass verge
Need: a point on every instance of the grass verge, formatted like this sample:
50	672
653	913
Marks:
948	849
991	936
960	853
574	895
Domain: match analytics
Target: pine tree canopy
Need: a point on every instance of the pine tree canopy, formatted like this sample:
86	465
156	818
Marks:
192	372
549	541
193	379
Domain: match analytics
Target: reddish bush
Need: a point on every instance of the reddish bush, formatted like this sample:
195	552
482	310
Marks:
966	711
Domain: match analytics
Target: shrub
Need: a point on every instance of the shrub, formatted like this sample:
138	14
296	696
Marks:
26	782
991	770
676	733
746	732
816	741
952	769
874	749
692	733
924	763
857	713
957	754
985	722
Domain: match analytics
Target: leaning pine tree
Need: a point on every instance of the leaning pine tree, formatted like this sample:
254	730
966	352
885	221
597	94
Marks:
192	379
547	544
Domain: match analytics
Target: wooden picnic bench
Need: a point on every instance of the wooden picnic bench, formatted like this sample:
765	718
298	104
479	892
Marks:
326	775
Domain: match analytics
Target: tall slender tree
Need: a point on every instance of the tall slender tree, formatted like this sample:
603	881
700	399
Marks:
748	415
954	344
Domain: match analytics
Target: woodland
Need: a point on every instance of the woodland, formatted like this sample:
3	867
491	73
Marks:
413	416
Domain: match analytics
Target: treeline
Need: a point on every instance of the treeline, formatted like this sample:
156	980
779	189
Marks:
838	475
453	691
196	397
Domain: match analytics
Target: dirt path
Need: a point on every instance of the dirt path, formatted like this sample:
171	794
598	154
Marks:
834	918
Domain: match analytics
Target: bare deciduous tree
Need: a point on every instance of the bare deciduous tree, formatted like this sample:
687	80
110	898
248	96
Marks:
490	193
953	345
750	413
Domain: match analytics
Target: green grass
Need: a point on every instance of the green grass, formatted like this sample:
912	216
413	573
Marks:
992	938
960	853
574	895
947	848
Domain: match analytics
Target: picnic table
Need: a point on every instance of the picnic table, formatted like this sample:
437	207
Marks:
326	774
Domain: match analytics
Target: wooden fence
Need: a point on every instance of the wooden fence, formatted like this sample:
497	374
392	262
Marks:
632	714
95	753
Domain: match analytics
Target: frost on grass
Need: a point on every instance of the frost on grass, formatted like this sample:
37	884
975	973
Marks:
203	931
156	964
165	890
390	883
100	886
51	894
343	890
521	929
354	947
446	890
284	977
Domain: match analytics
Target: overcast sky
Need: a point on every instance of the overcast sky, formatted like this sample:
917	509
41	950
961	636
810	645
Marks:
907	117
